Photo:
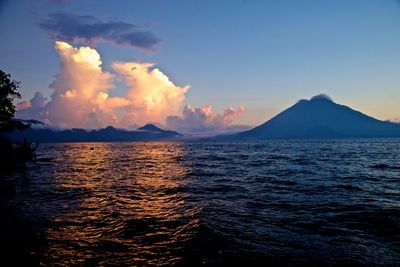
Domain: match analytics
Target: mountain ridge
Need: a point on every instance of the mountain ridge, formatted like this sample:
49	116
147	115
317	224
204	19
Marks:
319	117
107	134
149	127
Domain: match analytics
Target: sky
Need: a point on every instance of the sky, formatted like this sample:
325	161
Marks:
198	65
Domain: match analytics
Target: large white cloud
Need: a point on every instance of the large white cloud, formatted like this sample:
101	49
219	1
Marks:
82	89
152	95
80	96
81	93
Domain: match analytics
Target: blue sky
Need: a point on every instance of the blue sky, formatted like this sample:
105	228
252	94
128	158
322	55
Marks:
264	55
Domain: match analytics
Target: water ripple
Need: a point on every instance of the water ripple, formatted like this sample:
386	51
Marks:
311	202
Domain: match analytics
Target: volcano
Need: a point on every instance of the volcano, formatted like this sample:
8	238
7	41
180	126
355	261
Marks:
320	117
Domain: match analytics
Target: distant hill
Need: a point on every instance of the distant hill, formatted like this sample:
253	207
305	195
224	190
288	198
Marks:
319	117
154	129
109	134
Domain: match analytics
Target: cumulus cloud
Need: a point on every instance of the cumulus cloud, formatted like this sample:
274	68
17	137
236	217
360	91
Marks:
81	96
32	109
90	30
151	93
205	120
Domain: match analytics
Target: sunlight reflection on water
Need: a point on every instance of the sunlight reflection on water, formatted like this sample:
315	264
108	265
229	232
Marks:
130	203
315	202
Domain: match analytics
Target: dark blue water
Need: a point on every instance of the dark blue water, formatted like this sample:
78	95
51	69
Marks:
304	202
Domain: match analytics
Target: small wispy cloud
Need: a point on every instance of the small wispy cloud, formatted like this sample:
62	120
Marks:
91	30
395	120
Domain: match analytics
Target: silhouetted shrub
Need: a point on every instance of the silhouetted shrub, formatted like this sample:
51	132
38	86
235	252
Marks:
11	153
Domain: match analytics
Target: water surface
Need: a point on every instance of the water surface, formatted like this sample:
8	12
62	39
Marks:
311	202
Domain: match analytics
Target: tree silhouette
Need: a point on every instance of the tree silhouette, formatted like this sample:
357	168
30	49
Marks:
23	151
8	93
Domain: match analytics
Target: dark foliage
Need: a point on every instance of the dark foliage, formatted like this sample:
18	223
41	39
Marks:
8	93
9	152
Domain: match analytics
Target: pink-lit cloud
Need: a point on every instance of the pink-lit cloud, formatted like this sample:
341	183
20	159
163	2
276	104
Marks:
205	120
152	95
32	109
82	97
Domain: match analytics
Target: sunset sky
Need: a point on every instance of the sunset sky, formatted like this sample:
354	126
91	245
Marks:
195	65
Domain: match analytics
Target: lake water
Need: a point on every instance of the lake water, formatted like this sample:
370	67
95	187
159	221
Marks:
294	202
